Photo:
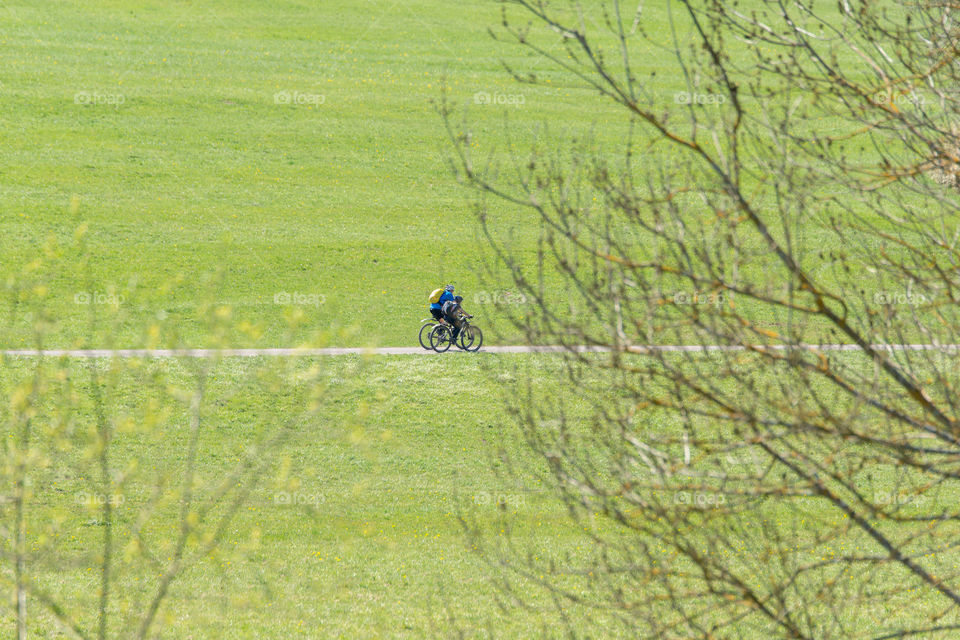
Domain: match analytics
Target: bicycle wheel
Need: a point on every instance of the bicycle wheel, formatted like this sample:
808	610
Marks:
440	339
471	338
465	340
425	337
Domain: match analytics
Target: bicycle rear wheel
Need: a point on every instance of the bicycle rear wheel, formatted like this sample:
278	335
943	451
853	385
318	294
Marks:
440	338
425	335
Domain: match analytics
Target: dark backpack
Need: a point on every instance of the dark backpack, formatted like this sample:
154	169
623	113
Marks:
450	308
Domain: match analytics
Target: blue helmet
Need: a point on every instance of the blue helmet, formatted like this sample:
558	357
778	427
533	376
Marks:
449	287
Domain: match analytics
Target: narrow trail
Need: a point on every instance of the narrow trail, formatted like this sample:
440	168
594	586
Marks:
342	351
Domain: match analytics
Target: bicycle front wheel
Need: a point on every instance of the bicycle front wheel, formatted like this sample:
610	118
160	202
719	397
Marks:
471	338
440	338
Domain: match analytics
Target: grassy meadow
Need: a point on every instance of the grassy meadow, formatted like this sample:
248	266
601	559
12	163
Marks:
353	527
288	148
282	166
269	157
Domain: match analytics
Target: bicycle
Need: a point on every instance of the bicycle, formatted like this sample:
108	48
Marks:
470	338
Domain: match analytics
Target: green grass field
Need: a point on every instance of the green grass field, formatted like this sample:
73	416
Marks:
355	532
284	163
291	149
248	156
245	156
167	132
354	526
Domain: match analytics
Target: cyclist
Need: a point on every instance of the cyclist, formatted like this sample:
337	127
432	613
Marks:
452	313
437	299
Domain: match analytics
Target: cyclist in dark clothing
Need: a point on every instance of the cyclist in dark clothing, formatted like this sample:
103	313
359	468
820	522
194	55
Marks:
452	313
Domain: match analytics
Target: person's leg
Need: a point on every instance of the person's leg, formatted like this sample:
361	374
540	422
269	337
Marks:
436	314
450	320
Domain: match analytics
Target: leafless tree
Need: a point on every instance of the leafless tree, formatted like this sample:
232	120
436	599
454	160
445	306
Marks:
780	205
97	528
